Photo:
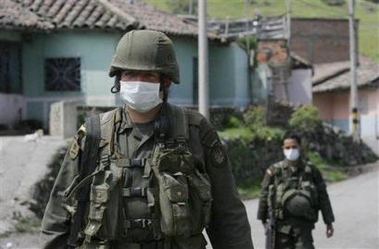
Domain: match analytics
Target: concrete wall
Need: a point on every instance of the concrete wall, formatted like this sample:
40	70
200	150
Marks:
12	109
300	86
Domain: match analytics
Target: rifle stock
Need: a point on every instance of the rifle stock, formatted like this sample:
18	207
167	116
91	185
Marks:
271	224
270	231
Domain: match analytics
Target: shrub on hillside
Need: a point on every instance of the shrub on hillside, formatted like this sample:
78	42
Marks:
305	117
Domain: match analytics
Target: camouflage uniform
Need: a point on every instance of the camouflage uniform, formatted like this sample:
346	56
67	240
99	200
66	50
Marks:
228	226
294	230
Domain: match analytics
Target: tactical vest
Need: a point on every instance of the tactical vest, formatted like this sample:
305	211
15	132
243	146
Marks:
294	195
166	183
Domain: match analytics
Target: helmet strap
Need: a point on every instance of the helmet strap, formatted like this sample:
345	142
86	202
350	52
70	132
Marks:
163	87
116	87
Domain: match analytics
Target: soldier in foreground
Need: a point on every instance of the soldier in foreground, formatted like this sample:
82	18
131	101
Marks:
148	175
293	192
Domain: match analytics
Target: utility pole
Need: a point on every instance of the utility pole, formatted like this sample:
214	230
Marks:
203	59
354	121
249	86
190	9
288	29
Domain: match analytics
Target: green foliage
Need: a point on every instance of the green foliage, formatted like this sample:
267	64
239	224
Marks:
334	2
232	122
254	118
249	192
331	174
231	133
247	43
305	117
188	7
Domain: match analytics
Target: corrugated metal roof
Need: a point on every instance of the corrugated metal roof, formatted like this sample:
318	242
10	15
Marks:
367	75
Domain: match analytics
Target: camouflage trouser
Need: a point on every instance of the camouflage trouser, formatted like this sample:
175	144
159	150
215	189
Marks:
297	239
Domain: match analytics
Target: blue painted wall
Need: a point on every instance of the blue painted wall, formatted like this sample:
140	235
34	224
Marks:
227	64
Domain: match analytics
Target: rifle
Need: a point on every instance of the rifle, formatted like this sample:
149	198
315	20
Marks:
271	224
87	166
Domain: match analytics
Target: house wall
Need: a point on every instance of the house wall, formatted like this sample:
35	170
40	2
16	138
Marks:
300	86
95	50
8	35
186	51
228	76
334	108
227	71
12	109
12	103
320	40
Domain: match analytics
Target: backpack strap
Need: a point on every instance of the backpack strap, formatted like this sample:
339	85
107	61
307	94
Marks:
178	124
87	162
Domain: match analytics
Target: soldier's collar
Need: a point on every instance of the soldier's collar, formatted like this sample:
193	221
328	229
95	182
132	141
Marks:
124	119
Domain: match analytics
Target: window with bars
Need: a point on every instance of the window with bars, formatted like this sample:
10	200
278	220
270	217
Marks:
62	74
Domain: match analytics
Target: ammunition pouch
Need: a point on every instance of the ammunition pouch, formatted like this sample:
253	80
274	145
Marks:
184	193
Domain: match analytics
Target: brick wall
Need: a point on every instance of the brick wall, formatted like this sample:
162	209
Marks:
320	40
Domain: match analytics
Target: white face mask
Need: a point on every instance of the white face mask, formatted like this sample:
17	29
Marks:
291	154
140	96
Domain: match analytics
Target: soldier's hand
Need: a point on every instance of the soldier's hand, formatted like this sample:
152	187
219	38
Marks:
329	230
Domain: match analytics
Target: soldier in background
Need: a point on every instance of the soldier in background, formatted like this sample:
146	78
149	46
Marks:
293	191
161	173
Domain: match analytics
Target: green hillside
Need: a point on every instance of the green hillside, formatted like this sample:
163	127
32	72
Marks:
366	12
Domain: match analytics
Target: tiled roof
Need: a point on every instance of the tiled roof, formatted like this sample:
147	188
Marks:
152	18
340	78
120	15
14	16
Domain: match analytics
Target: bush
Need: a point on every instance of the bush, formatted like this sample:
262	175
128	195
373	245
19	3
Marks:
232	122
305	118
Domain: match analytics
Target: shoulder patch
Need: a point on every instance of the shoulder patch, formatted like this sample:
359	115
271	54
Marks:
76	143
74	150
269	172
218	155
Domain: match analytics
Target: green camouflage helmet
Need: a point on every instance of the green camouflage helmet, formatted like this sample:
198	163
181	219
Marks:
145	50
297	203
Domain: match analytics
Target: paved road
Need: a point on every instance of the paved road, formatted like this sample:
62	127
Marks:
355	203
22	164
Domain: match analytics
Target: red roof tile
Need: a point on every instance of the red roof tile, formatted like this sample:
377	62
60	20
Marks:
90	14
14	16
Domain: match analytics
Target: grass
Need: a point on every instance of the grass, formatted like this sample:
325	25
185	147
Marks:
328	170
249	192
366	12
242	132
